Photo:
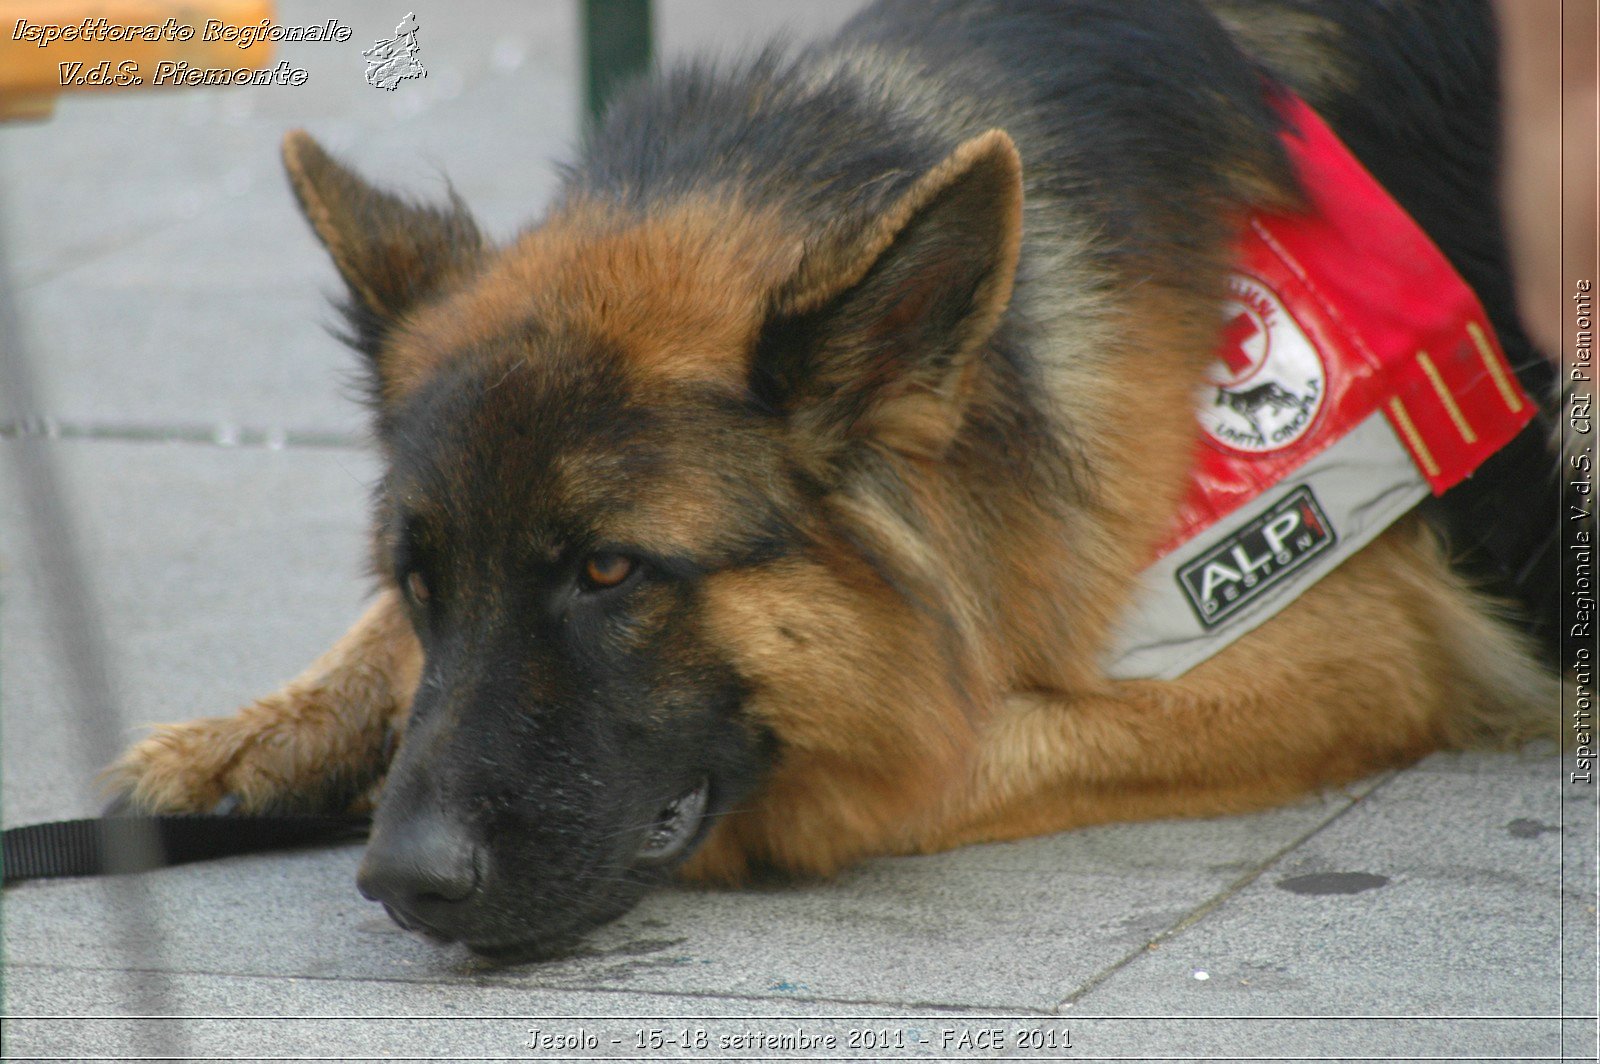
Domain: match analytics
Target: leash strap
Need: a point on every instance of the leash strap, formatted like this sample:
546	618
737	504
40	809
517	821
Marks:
115	845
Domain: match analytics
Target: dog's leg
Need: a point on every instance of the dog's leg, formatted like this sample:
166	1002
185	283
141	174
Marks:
318	744
1390	658
1387	659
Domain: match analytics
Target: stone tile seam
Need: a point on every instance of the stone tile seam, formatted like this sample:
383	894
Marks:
222	435
1217	900
980	1008
49	272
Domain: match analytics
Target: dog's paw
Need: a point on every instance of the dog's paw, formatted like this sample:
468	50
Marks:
197	767
246	764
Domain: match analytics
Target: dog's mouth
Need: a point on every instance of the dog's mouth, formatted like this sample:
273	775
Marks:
408	922
677	826
483	923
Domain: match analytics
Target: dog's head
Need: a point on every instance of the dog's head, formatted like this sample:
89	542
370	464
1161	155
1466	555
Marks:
647	493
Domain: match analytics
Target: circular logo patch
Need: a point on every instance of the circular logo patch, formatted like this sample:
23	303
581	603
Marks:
1268	382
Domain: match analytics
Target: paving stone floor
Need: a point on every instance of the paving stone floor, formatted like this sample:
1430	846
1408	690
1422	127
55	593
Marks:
217	470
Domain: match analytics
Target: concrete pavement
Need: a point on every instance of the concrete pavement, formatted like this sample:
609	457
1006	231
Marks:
217	470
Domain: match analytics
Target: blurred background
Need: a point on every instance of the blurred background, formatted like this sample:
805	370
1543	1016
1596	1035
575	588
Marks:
176	313
213	463
154	241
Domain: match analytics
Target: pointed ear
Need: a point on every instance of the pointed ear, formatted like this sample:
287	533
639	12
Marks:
391	253
876	334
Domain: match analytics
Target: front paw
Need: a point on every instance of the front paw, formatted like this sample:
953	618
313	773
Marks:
245	765
194	767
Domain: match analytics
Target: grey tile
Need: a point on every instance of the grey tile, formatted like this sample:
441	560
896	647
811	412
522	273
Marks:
1581	1040
1530	763
168	282
945	931
161	265
144	355
1465	921
1153	1036
1580	924
219	573
378	1018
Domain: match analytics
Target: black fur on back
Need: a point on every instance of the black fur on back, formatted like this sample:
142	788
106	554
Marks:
1424	118
1142	110
1152	117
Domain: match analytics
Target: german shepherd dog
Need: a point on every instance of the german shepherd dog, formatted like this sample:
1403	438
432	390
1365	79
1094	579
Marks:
768	505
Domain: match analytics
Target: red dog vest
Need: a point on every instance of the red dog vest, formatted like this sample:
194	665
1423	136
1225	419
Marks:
1356	372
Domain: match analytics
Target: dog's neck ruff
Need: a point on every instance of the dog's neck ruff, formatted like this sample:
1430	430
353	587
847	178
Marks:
1356	374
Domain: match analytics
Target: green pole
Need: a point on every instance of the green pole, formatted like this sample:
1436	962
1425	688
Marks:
616	48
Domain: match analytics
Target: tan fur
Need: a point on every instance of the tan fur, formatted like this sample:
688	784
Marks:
830	269
946	690
1283	711
1077	584
682	292
1304	43
336	717
382	246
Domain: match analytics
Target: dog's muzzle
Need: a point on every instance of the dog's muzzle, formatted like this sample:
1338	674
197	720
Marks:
423	871
430	873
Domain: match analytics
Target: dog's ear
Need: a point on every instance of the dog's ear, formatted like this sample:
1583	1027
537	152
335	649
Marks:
875	335
391	253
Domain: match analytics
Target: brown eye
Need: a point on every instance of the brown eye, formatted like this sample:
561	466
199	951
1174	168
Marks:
416	587
607	570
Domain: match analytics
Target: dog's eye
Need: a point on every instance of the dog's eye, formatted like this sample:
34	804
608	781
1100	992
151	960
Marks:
416	587
601	571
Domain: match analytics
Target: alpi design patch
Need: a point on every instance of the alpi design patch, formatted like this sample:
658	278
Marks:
1355	373
1258	556
1268	381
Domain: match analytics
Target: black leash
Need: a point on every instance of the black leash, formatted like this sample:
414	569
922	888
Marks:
114	845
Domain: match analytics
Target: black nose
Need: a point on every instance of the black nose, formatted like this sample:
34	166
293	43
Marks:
421	868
